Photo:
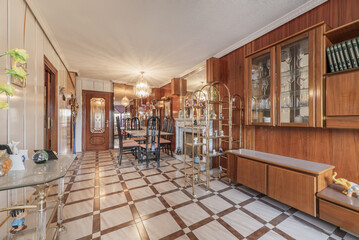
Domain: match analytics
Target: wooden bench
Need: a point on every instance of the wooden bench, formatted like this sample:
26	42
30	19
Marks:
338	209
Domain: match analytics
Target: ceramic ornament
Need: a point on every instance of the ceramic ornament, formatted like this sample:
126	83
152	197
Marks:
13	147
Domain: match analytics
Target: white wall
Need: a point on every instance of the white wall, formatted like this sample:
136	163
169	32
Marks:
24	121
90	85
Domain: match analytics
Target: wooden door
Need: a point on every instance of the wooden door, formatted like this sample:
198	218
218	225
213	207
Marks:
50	120
252	174
98	122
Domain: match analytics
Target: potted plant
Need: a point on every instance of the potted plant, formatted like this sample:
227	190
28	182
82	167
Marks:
19	57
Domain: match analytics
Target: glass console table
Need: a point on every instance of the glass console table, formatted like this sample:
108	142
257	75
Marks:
39	176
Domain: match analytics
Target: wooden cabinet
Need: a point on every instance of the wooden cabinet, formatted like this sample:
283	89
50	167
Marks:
339	216
289	180
252	174
336	208
292	188
261	79
284	81
342	87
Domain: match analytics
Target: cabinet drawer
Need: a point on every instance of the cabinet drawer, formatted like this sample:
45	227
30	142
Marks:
339	216
252	174
292	188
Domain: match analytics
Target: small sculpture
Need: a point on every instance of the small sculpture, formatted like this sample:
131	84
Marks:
179	151
19	219
13	147
349	187
40	157
5	162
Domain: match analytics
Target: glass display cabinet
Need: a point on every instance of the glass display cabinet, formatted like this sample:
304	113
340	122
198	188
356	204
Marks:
295	83
261	77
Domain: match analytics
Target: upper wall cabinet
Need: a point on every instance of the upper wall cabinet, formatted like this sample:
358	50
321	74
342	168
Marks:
342	84
261	77
284	82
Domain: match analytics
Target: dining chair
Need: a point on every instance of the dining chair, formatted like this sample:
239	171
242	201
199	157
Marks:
151	146
125	146
166	141
136	125
164	124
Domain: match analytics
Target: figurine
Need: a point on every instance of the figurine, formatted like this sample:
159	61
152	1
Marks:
221	150
349	187
19	218
195	122
221	116
196	158
178	151
5	162
13	147
214	95
180	114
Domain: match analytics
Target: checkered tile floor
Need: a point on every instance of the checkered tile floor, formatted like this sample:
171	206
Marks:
103	201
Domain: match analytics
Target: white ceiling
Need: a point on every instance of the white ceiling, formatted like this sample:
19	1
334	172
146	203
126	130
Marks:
116	39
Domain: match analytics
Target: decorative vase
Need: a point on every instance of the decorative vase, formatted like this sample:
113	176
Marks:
17	162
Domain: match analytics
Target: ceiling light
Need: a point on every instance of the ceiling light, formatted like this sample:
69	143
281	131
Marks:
142	89
125	101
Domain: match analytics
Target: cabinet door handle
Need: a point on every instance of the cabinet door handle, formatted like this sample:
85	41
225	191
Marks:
48	123
107	123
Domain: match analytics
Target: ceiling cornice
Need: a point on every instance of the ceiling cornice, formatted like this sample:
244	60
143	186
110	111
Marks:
48	32
264	30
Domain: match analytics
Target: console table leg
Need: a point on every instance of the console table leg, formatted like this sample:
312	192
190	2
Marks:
41	213
61	187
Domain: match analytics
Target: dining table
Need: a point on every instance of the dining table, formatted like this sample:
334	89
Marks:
143	133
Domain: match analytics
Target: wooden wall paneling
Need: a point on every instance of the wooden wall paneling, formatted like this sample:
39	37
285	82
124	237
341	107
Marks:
337	147
216	70
178	86
156	94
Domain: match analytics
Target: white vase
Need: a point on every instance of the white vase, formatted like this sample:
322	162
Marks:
24	153
17	164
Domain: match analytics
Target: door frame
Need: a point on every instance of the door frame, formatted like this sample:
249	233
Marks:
54	131
110	118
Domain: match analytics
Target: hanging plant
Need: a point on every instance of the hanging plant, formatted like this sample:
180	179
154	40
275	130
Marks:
19	58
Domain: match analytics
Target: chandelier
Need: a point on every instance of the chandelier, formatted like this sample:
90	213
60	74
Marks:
125	101
142	89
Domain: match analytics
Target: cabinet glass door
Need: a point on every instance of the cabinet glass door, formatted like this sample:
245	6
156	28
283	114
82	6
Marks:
261	88
294	82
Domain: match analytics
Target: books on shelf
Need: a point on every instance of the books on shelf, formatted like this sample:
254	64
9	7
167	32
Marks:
343	55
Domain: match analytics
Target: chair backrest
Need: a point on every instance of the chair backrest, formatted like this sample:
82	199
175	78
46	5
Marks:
170	129
135	124
153	133
164	124
128	124
171	125
119	132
